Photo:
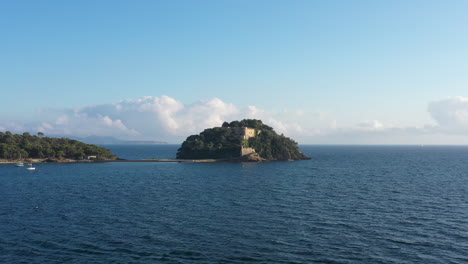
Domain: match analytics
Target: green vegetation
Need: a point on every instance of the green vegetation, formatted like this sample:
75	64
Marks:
272	146
224	142
212	143
29	146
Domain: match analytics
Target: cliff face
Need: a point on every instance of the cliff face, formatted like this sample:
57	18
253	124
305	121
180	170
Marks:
233	139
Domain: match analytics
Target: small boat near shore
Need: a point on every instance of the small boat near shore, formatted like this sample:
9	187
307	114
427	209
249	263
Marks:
30	168
19	163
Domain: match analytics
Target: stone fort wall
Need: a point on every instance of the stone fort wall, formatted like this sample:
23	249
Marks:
249	133
246	133
246	151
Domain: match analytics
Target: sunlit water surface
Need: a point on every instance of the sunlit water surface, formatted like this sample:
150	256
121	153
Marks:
350	204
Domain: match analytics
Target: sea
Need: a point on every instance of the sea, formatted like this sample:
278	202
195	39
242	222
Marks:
349	204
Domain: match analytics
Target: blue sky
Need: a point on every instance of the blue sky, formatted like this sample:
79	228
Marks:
357	72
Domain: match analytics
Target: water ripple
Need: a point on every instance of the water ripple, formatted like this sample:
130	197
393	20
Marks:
347	205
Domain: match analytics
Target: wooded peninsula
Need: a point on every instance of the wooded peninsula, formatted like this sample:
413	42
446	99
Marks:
16	146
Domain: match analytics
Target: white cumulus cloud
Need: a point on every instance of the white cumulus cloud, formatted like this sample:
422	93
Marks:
166	118
451	114
150	117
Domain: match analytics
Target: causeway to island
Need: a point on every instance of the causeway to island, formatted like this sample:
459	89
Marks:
248	140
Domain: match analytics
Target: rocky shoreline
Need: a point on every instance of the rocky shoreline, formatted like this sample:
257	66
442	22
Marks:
247	158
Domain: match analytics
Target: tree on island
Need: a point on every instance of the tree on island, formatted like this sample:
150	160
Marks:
225	143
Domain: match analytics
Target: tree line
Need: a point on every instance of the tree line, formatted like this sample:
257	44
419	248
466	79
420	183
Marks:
272	146
15	146
212	143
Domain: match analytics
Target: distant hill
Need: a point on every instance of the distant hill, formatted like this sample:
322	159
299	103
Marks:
247	140
108	140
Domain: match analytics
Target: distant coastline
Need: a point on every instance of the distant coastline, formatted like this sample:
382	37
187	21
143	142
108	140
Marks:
5	161
109	140
137	142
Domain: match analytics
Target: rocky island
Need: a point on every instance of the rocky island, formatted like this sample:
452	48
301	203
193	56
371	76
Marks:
38	148
245	140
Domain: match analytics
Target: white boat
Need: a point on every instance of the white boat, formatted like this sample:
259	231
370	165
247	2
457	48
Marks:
19	164
30	167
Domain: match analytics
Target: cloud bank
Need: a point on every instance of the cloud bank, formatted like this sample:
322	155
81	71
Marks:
451	114
166	118
148	117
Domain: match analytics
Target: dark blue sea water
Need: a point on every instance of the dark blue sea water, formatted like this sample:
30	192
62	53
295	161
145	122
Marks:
350	204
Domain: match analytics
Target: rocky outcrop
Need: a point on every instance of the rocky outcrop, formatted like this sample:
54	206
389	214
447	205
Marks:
252	157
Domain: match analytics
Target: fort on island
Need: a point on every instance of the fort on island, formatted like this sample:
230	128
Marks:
245	140
245	133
